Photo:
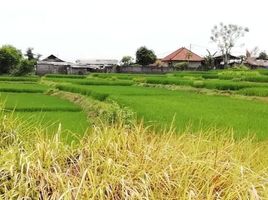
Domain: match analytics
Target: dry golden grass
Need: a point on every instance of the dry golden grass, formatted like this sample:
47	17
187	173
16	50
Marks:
129	162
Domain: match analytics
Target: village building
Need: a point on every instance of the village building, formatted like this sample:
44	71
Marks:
183	55
97	63
256	63
52	65
232	60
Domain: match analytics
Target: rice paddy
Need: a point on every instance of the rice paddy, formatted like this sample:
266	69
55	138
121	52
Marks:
187	135
28	101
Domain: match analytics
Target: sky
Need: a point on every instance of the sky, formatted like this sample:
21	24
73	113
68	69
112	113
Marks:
111	29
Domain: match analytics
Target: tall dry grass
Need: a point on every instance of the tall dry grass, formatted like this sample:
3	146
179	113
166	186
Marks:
133	162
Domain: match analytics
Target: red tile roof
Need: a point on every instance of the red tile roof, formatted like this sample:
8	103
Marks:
183	54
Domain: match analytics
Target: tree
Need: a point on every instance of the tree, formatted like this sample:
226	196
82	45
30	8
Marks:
10	58
25	67
263	56
209	60
145	56
226	37
126	61
29	54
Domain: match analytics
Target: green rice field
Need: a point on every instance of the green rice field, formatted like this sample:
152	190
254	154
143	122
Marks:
149	97
28	101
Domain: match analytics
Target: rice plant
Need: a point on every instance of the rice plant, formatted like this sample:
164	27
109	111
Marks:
119	162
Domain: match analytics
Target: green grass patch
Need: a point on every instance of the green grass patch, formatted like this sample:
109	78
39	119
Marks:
82	90
262	92
65	76
14	78
191	109
32	102
22	87
70	122
91	81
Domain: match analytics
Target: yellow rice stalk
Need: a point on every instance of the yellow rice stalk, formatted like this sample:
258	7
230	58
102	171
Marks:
119	162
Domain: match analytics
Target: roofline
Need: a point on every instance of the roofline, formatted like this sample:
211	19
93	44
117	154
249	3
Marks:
179	50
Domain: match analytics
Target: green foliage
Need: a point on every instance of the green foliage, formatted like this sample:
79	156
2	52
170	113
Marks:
25	67
126	61
181	65
10	58
29	54
145	56
263	56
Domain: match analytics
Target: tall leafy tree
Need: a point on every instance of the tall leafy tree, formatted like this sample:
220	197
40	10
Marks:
10	58
263	55
226	37
126	61
29	54
145	56
209	61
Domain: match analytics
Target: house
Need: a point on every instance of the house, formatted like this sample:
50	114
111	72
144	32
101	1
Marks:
94	65
52	65
98	63
183	55
255	63
232	60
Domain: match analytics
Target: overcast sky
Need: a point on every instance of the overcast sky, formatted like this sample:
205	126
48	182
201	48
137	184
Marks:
77	29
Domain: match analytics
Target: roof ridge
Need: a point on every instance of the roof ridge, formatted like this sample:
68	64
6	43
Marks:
177	52
193	52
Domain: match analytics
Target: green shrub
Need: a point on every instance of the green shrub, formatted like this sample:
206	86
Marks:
181	65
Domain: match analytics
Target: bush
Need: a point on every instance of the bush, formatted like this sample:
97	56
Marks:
181	65
25	67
